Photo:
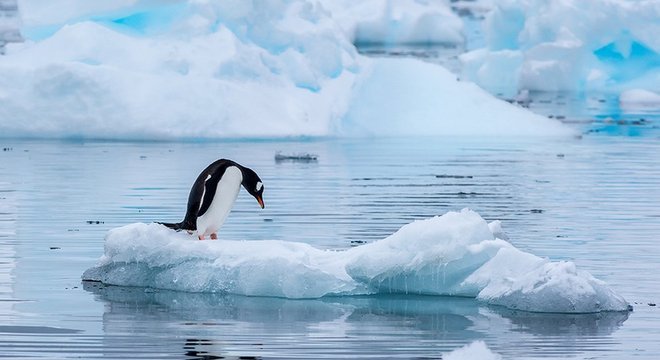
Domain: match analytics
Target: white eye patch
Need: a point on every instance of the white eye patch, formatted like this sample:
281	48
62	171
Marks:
208	177
259	185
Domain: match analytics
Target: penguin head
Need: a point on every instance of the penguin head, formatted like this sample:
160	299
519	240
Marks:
253	184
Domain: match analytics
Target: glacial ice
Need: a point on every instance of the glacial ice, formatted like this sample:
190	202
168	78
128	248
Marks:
425	99
396	23
604	45
402	22
453	254
639	99
173	69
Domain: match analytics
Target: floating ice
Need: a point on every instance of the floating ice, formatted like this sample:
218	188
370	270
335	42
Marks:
401	22
202	69
568	45
638	98
454	254
205	69
298	157
407	97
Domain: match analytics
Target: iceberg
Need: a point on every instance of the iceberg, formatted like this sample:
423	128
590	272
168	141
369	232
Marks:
603	45
639	99
176	69
426	99
456	254
398	23
386	22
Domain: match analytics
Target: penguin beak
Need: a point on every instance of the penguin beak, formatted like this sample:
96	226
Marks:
260	201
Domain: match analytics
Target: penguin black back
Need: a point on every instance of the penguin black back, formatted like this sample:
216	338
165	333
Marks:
204	188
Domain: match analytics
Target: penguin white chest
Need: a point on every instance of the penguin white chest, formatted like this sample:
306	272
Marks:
225	196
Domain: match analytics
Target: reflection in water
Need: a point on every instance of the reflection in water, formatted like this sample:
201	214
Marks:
215	326
204	349
569	325
7	244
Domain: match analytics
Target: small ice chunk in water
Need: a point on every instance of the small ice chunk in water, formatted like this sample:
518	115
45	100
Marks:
300	157
477	350
639	98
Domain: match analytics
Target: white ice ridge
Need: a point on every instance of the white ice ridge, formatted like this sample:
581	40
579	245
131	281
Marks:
453	254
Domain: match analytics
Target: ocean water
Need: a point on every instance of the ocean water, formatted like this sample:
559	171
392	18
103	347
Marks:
591	199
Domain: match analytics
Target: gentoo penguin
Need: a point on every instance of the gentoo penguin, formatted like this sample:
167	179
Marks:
213	194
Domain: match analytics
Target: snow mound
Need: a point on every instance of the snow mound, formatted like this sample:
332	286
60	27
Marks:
568	45
454	254
407	97
176	69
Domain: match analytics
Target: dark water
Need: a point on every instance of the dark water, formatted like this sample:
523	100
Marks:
592	200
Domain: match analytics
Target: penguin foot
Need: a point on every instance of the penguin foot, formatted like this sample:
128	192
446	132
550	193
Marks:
201	237
214	236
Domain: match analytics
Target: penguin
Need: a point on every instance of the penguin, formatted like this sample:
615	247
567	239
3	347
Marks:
213	194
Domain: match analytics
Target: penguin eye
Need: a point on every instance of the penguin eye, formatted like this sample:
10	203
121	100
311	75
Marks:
259	185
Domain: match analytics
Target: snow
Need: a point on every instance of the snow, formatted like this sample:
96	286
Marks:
175	69
427	99
477	350
453	254
604	45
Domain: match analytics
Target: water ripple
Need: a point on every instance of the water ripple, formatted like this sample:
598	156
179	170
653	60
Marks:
596	204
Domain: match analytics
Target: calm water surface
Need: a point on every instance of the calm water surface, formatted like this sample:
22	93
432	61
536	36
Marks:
592	200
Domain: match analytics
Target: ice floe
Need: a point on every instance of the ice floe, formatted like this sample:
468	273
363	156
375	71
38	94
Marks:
454	254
